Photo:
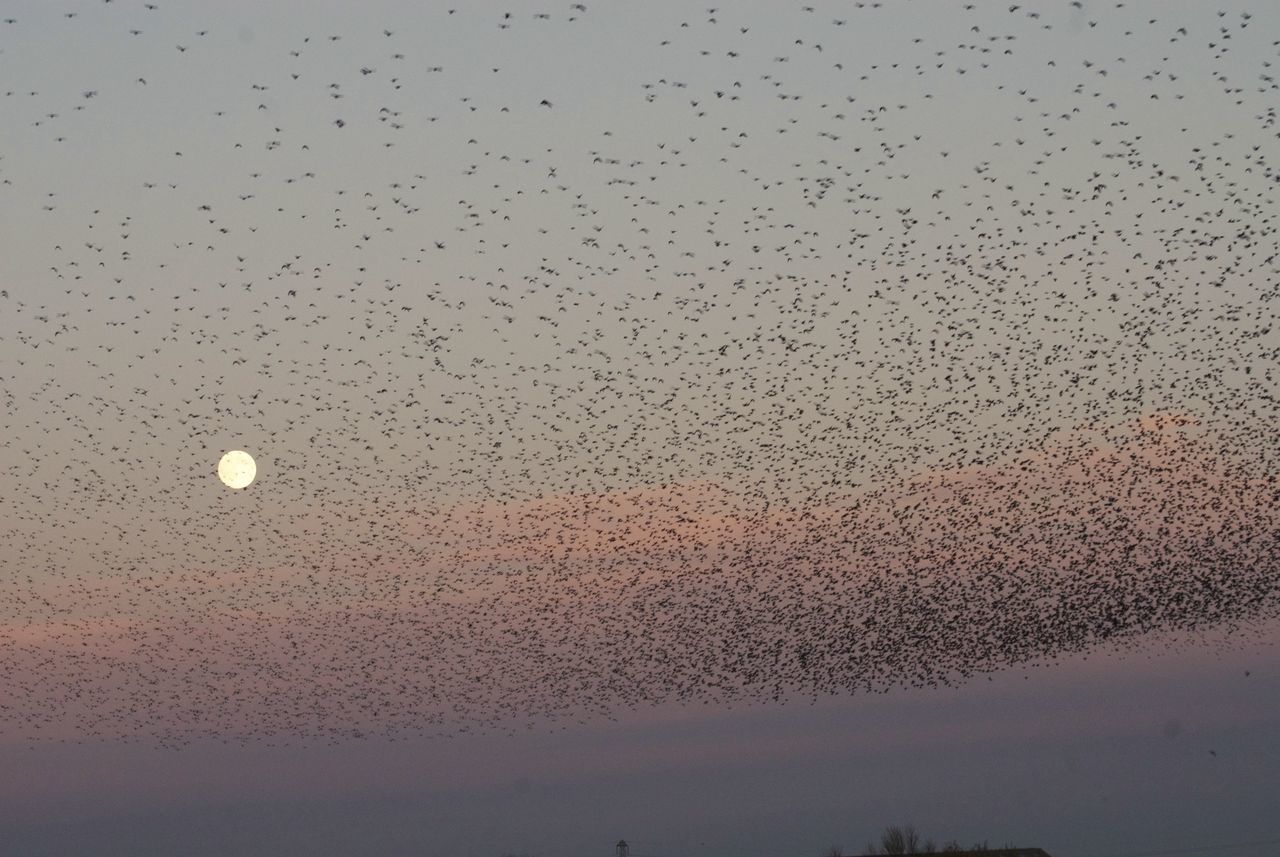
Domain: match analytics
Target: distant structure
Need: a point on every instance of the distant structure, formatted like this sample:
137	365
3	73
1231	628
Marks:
622	848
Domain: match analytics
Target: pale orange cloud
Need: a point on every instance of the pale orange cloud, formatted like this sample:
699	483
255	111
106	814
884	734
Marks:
684	590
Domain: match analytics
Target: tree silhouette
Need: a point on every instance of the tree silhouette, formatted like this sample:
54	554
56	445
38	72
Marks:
905	839
897	840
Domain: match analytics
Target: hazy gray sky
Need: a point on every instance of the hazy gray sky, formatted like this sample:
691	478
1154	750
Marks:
622	378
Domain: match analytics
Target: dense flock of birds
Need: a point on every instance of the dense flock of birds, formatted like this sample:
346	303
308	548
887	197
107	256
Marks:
610	355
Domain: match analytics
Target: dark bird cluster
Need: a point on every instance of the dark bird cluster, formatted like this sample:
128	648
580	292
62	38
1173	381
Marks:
595	360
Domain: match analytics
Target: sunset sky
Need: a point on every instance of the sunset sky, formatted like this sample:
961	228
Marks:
729	429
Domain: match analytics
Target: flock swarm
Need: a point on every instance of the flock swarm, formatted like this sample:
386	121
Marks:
611	355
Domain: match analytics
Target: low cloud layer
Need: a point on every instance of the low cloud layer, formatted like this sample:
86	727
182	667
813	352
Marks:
575	606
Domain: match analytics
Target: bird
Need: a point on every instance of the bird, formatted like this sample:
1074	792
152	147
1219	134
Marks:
763	368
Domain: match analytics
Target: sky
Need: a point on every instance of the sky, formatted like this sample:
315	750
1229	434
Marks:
729	429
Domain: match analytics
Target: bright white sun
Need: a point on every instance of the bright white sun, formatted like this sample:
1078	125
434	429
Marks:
236	469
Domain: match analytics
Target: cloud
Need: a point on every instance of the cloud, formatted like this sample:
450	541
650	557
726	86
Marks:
684	592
